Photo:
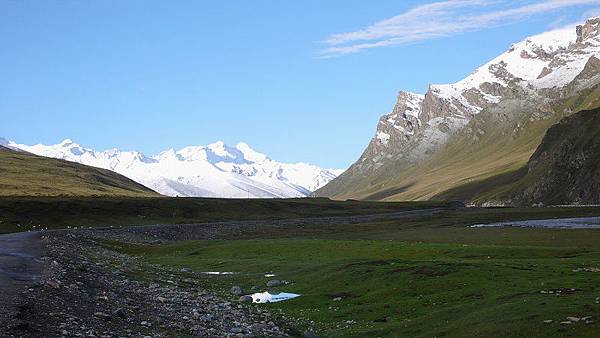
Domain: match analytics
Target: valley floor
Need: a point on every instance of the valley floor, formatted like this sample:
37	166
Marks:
403	273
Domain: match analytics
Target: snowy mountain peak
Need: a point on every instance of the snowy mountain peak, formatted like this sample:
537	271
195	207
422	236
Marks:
67	142
215	170
220	152
168	155
219	148
547	61
547	42
250	154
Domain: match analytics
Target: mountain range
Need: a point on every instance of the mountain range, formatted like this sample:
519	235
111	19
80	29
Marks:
504	135
215	170
487	125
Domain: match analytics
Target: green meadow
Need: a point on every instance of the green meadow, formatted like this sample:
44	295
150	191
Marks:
425	276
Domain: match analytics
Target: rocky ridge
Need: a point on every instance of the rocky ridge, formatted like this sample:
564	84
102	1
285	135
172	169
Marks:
532	73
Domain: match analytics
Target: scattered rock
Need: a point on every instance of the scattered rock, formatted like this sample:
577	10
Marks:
237	330
560	291
236	290
102	315
246	299
120	313
586	270
53	283
96	299
274	283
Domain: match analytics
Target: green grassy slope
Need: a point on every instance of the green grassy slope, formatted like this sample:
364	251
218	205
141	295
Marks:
565	169
25	174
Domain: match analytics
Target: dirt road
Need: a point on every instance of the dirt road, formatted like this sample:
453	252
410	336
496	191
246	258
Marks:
20	269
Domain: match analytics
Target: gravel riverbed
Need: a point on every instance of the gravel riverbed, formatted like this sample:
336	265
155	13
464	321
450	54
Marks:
84	291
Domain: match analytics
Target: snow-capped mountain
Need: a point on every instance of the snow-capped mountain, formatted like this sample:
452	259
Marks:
534	72
538	67
216	170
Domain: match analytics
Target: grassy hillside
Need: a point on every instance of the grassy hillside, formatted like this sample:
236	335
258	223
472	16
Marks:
495	142
565	169
25	174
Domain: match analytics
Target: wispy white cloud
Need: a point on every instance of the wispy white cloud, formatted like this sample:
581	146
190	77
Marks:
559	22
594	12
440	19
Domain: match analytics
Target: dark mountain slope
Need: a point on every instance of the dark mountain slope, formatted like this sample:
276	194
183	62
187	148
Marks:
565	169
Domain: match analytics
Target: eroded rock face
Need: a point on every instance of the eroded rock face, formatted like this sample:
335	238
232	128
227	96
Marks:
589	30
397	127
565	169
542	68
591	69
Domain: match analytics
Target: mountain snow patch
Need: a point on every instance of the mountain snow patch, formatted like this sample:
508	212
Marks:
384	138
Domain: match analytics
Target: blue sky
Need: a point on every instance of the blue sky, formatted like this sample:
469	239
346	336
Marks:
298	80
